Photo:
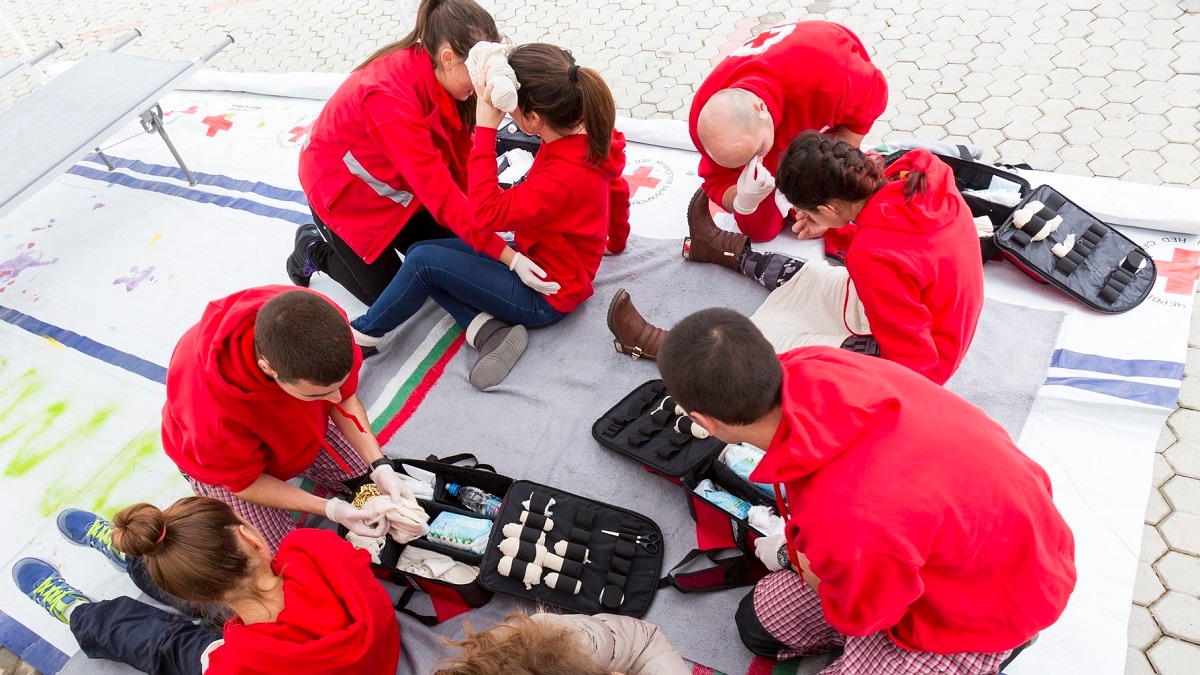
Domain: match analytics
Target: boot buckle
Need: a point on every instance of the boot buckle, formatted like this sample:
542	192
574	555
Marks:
636	353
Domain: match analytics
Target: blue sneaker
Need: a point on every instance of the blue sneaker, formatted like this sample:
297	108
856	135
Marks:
40	582
84	528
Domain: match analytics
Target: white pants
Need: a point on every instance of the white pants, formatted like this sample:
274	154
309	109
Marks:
818	306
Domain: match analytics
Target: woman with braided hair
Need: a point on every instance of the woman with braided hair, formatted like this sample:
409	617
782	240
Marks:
912	287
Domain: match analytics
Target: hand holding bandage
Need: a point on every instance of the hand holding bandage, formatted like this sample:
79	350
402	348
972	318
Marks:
487	64
403	519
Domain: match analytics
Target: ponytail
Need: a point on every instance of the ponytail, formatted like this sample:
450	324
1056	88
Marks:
190	549
457	24
565	95
817	169
914	184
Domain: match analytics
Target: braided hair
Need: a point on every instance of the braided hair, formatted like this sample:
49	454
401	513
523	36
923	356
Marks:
817	169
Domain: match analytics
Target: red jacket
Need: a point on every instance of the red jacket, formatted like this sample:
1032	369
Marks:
336	617
561	214
811	75
917	269
916	511
225	422
388	143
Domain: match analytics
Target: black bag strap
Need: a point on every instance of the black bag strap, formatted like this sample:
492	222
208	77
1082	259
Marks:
463	459
964	153
402	607
725	571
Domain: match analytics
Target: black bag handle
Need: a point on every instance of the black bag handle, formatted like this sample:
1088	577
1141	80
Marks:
402	607
463	459
731	571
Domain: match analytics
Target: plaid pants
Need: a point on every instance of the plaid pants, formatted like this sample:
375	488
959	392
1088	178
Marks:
275	524
790	622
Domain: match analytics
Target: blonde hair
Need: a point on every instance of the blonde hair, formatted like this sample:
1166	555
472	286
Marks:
522	645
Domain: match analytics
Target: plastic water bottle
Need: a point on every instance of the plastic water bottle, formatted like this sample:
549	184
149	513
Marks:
483	503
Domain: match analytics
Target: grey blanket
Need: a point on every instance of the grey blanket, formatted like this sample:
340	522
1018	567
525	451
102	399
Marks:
537	426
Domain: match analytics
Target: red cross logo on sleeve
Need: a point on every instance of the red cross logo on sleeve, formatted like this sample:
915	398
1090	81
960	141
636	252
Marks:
1181	271
765	40
639	179
216	123
299	132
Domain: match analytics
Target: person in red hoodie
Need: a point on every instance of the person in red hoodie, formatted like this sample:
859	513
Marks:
918	537
913	279
787	79
572	204
385	164
312	607
262	390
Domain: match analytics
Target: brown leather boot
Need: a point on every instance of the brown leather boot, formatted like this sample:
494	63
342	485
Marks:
708	242
634	336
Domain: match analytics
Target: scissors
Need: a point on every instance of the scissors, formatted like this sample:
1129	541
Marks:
649	542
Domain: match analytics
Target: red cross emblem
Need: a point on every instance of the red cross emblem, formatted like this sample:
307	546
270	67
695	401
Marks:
1181	271
299	132
216	123
639	179
764	40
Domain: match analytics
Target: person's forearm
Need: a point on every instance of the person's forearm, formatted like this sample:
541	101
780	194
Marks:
806	571
842	133
363	441
727	199
507	255
271	492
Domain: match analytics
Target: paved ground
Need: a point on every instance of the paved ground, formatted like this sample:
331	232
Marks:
1089	87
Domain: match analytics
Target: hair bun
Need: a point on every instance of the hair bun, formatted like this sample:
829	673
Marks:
139	530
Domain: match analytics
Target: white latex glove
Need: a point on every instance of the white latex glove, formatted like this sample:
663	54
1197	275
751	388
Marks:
389	483
767	550
363	522
754	185
532	275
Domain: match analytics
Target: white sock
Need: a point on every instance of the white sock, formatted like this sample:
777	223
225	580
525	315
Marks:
363	340
477	323
71	608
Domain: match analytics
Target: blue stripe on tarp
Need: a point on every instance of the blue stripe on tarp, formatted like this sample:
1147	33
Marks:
1152	394
1065	358
86	345
247	205
164	171
32	649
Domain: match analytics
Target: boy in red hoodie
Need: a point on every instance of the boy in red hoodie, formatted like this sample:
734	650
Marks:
572	207
918	537
262	390
787	79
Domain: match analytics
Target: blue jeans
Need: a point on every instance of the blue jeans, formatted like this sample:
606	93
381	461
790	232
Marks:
464	282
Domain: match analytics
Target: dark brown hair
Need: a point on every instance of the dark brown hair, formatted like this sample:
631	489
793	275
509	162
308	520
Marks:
304	337
522	646
718	363
565	95
457	24
190	549
817	169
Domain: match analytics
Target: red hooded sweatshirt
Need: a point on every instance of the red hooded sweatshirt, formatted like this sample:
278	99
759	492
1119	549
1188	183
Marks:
916	511
388	143
811	75
336	617
917	269
225	422
561	214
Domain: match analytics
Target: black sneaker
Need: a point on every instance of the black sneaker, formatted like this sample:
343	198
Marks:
300	265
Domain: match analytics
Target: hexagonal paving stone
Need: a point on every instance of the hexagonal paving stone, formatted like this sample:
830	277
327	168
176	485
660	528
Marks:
1162	470
1184	458
1108	166
1182	532
1136	662
1178	615
1179	572
1146	586
1143	631
1157	507
1183	494
1174	657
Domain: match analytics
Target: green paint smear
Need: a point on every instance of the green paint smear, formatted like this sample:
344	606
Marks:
29	456
128	460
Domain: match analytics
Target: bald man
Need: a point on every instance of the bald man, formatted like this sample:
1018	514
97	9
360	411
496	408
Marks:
787	79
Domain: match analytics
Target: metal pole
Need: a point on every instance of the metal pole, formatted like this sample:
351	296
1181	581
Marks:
129	37
212	53
46	52
152	123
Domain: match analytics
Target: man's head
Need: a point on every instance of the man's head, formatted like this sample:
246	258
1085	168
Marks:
735	126
304	344
719	367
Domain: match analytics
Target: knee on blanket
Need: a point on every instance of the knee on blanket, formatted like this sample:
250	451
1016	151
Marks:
750	629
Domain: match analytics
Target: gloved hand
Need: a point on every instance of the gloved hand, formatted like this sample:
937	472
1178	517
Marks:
532	275
363	522
754	185
389	483
768	550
